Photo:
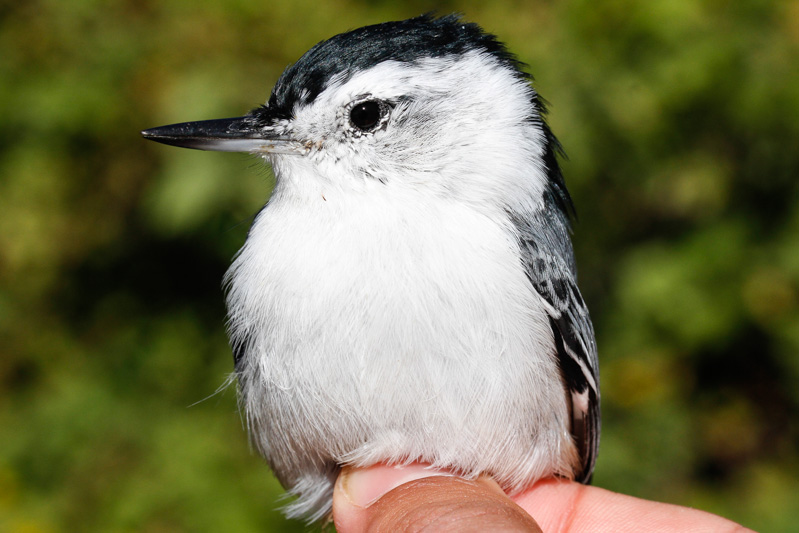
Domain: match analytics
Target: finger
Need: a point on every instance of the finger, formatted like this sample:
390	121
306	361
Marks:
570	507
416	498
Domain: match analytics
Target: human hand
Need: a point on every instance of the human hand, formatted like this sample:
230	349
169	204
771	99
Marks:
414	498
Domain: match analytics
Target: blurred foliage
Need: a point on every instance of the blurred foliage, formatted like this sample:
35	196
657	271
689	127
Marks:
680	117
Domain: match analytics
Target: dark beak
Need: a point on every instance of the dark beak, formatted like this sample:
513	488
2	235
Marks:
226	135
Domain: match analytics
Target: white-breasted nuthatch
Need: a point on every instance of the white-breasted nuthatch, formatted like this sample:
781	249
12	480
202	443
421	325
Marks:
408	293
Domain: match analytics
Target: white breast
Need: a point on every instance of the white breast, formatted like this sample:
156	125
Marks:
381	332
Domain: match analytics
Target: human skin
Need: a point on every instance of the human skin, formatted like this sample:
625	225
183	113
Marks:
416	498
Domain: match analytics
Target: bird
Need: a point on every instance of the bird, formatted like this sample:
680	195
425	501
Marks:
408	293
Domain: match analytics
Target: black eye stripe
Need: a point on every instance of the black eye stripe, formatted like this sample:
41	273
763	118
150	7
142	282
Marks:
367	115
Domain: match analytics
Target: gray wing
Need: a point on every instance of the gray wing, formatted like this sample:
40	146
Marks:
550	269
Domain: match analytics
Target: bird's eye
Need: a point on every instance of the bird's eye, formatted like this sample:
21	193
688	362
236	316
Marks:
367	115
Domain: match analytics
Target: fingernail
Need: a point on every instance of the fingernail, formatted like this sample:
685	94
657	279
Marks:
364	486
490	483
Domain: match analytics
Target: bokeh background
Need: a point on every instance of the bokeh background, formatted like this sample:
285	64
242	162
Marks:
681	120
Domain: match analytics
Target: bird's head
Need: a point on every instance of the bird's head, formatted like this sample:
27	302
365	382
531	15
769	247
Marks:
430	106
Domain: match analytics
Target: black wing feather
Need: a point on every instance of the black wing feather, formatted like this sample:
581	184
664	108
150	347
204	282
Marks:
549	265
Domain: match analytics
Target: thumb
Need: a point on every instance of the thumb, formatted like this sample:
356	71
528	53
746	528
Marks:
417	498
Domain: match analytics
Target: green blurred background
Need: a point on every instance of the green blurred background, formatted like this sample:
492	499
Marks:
681	119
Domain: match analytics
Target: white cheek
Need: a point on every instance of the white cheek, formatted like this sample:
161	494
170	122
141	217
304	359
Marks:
475	143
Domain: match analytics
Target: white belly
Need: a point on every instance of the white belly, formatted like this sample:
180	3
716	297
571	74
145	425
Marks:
378	335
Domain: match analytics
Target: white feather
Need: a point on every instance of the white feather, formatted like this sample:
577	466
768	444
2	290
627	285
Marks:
381	293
